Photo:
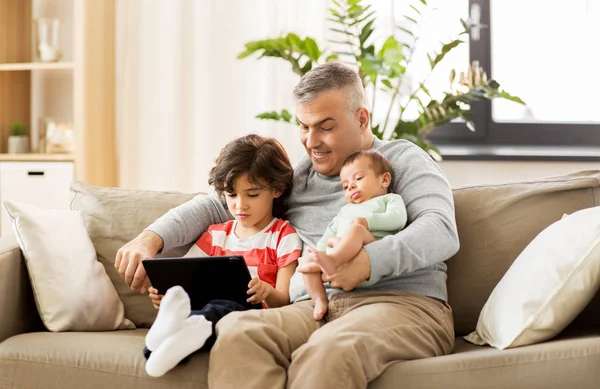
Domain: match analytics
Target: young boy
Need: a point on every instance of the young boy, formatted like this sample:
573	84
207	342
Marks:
254	174
371	213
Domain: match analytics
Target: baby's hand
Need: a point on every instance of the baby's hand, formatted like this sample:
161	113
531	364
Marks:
360	221
259	290
154	297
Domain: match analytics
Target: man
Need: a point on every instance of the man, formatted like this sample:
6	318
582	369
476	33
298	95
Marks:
401	315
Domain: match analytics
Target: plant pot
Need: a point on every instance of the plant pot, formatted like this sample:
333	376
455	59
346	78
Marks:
18	144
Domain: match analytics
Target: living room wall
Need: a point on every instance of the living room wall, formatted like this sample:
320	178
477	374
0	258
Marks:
181	94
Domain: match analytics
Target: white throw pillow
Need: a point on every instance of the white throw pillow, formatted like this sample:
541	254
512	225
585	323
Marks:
71	289
546	287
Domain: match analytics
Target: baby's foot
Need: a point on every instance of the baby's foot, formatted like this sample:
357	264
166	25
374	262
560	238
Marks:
320	308
325	261
174	309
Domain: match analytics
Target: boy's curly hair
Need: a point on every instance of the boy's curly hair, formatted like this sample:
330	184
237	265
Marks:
263	159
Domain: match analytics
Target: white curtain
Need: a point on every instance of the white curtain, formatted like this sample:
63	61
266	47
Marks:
181	92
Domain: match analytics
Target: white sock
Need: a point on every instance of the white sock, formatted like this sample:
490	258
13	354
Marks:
174	309
191	337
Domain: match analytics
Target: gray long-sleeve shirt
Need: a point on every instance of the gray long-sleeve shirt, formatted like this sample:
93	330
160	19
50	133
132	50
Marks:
411	260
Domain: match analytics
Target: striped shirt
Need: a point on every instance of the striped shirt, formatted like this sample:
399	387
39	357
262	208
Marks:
265	252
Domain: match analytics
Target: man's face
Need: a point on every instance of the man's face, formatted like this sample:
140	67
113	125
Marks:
330	131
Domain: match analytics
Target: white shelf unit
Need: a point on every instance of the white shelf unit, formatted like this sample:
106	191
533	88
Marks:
78	89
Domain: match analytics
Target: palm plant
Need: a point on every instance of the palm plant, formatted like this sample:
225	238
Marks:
384	69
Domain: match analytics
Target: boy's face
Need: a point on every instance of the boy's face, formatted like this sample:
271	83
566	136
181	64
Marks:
251	205
330	131
361	183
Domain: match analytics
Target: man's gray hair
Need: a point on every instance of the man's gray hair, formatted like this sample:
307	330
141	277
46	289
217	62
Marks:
331	76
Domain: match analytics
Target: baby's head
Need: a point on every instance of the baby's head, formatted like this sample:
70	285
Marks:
365	174
254	174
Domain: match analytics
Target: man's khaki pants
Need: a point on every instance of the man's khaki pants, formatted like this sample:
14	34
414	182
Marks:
364	332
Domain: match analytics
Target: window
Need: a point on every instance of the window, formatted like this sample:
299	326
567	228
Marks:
544	52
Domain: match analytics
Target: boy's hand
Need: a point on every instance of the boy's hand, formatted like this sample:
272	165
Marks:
259	290
154	297
360	221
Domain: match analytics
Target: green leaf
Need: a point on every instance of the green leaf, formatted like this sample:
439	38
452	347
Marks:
334	12
445	50
358	21
286	115
372	66
332	57
295	41
341	31
405	30
510	97
366	32
465	25
424	2
410	19
424	89
307	67
415	9
245	54
387	83
311	49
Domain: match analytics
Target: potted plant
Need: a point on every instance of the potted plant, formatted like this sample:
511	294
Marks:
383	70
18	141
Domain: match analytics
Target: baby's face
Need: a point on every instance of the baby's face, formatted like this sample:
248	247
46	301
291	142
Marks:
361	183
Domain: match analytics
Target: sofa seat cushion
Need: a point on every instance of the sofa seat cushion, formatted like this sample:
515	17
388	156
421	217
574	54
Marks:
97	360
565	362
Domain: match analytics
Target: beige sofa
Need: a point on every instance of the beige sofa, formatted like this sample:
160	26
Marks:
495	223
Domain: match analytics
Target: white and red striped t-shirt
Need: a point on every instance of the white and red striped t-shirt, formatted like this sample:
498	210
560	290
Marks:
265	252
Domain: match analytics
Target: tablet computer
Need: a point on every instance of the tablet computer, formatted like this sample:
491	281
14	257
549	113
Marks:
203	278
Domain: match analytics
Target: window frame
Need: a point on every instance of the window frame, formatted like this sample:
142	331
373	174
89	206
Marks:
490	134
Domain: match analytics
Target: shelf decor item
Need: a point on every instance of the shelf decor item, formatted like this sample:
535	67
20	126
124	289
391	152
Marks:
47	32
59	137
18	141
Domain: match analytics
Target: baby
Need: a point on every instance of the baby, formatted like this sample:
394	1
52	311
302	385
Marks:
371	213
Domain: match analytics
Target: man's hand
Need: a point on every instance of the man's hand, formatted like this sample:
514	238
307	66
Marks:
348	275
259	290
129	259
360	221
155	297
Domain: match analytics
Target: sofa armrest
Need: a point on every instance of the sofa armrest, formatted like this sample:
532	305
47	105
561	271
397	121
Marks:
17	308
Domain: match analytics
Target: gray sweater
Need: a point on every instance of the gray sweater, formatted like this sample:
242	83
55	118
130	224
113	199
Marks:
411	260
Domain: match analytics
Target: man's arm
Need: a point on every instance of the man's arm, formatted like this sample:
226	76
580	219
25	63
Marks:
179	226
431	236
394	217
185	223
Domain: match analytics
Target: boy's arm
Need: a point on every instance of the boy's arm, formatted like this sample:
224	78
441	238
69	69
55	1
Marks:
280	295
394	217
431	236
185	223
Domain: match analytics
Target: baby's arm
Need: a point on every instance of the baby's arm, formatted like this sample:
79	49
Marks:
393	219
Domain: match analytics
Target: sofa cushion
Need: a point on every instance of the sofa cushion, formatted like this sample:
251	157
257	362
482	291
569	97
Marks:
114	216
114	360
546	287
496	222
91	360
72	291
570	362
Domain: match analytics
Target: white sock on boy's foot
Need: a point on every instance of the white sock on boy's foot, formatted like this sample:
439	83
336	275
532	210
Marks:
174	309
191	337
